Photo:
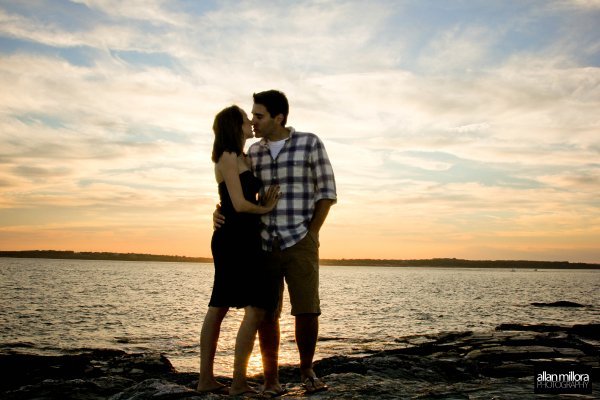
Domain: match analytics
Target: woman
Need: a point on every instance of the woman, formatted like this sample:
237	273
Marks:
236	250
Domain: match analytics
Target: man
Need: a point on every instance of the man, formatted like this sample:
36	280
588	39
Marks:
298	163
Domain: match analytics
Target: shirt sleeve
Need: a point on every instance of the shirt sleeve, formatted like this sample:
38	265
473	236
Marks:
323	177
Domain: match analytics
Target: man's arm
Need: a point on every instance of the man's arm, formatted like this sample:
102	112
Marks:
324	181
321	210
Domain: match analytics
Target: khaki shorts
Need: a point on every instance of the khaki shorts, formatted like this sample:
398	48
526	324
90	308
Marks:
299	265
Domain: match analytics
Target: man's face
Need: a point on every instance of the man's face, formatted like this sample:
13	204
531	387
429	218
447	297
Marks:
262	123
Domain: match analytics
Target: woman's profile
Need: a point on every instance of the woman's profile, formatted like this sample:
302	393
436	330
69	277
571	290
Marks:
239	280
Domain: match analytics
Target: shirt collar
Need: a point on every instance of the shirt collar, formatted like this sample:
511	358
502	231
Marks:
265	142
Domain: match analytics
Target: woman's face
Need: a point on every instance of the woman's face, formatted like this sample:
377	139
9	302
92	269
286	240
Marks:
246	126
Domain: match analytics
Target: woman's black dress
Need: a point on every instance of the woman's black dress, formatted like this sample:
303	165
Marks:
240	278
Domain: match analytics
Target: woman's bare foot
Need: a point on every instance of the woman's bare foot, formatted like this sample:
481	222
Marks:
212	387
242	389
273	391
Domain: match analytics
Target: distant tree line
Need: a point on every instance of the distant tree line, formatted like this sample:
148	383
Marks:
433	262
60	254
456	262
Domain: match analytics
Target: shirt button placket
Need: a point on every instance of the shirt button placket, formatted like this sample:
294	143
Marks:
275	182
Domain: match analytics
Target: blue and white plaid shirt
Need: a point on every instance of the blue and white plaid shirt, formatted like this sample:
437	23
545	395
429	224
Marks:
304	174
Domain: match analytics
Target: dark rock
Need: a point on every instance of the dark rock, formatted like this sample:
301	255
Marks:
589	330
58	389
464	365
93	374
156	389
511	353
531	328
561	303
111	384
508	370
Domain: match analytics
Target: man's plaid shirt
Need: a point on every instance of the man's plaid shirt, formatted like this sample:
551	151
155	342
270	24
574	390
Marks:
304	174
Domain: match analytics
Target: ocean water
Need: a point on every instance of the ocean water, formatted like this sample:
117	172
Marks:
65	306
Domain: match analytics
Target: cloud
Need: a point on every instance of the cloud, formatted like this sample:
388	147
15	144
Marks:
458	48
154	11
461	128
583	4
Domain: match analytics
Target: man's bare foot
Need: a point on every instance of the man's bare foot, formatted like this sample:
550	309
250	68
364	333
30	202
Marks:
311	383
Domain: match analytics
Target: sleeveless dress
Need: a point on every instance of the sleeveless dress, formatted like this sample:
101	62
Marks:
240	274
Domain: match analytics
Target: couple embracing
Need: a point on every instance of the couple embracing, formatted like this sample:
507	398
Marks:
258	244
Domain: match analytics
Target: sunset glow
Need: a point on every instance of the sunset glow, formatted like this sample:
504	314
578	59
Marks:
455	129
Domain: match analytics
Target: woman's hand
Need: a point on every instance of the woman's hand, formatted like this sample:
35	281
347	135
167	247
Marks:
270	198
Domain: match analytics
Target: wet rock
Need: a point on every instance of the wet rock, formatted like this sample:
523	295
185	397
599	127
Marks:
508	370
589	330
531	327
111	384
156	389
93	374
459	365
511	353
561	303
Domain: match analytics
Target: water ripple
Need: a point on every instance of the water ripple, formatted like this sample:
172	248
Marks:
57	306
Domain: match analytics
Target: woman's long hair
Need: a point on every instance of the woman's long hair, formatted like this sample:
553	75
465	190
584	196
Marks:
228	132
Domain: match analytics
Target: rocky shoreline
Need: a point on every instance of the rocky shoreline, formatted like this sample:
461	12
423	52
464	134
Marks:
497	365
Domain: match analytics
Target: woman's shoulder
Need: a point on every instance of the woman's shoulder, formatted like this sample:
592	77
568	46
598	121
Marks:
227	158
228	155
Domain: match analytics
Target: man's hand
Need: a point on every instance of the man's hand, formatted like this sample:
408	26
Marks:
218	218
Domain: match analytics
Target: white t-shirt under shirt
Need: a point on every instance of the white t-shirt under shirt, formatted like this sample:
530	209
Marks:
275	147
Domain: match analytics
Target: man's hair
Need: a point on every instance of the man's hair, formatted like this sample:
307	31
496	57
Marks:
275	102
228	132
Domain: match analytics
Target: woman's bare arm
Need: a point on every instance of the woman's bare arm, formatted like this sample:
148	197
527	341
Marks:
228	167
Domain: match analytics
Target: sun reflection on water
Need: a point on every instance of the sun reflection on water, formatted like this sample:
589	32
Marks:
69	305
288	353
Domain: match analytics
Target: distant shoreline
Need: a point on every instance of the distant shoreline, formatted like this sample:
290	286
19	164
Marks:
433	262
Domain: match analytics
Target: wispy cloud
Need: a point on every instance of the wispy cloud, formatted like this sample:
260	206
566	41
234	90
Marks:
455	129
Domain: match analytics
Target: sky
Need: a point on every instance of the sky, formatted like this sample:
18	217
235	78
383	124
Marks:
466	129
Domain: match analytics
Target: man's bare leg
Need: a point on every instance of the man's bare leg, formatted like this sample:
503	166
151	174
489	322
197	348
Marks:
307	331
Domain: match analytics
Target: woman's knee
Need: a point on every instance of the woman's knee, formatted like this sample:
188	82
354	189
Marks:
254	314
217	312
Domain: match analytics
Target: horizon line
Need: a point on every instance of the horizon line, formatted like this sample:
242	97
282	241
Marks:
8	253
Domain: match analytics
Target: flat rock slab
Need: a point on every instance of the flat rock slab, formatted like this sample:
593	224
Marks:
458	365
